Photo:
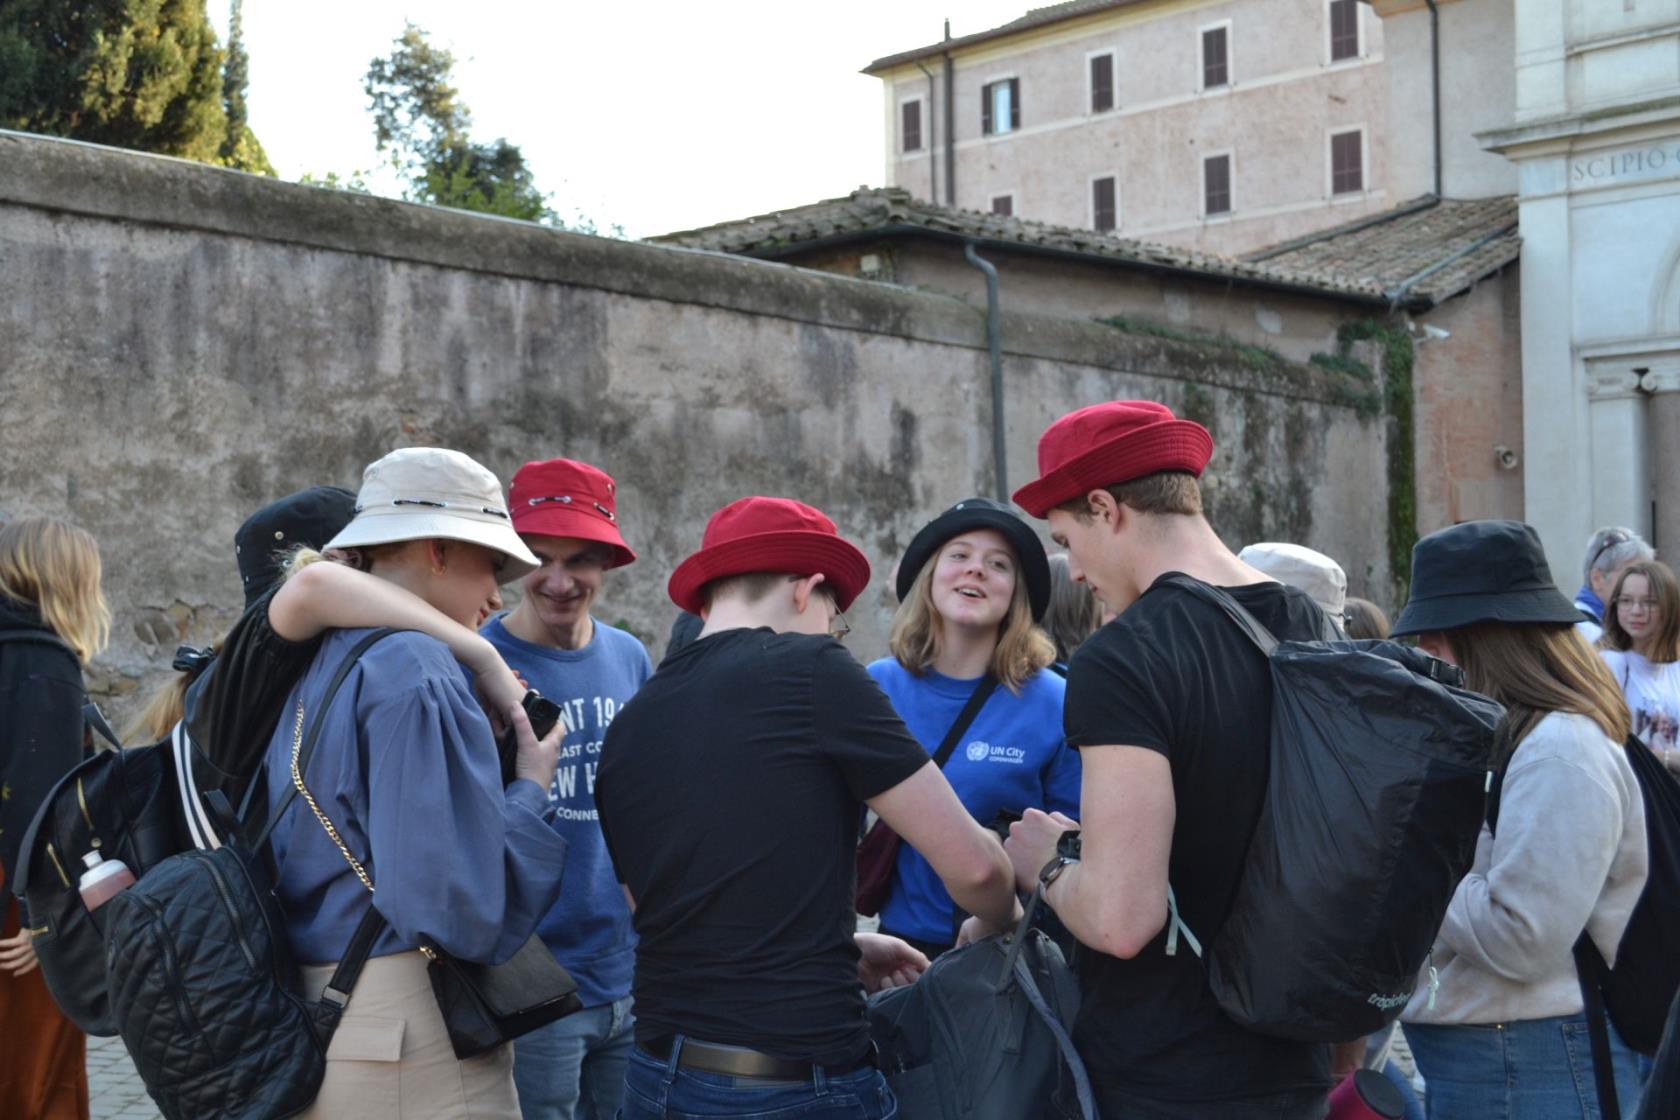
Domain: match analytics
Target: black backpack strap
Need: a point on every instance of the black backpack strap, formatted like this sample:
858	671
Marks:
1247	623
976	700
314	732
1592	972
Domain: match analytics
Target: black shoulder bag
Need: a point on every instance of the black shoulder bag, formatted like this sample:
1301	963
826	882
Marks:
879	849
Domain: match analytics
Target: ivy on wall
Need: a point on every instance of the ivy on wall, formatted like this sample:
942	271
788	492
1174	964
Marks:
1395	345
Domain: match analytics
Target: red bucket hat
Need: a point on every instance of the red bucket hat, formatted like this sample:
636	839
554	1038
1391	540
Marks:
1110	443
770	535
566	498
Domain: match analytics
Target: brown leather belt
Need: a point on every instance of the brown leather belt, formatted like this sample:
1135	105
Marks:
733	1061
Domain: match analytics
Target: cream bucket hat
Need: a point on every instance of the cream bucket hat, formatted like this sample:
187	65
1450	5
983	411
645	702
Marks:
420	493
1303	568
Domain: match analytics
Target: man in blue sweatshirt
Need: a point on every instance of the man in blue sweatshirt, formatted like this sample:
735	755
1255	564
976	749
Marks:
565	513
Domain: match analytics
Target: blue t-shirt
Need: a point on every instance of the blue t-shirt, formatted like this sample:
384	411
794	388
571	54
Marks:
589	929
1011	757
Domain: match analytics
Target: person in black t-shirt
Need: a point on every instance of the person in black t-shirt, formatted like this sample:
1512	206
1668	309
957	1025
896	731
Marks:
730	791
1170	706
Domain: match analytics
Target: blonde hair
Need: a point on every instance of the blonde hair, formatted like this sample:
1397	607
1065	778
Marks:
1535	669
55	567
1022	649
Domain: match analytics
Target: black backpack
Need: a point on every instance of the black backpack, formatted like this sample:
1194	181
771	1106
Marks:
1375	796
1637	993
984	1034
203	988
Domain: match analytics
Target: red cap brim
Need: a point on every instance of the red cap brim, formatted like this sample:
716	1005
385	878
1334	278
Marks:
797	552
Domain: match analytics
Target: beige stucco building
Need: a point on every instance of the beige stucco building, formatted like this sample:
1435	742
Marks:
1224	126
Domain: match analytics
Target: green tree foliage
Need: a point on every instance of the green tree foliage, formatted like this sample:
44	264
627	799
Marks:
240	148
142	74
420	120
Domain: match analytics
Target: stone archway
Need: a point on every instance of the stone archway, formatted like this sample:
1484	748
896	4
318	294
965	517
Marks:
1665	296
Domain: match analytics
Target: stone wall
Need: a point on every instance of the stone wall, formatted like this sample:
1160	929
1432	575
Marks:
180	344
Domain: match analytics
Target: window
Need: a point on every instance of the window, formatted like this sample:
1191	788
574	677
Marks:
1102	83
1004	204
1347	162
1000	106
1105	210
910	127
1216	56
1216	185
1344	29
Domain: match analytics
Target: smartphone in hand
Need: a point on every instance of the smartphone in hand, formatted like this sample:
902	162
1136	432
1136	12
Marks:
543	714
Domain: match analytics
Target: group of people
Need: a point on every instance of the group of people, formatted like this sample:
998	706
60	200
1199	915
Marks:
684	841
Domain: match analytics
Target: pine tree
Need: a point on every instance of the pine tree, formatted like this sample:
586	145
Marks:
141	74
420	119
240	148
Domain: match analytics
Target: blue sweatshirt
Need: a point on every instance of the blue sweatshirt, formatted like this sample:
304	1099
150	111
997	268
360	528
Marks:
1011	757
588	929
406	769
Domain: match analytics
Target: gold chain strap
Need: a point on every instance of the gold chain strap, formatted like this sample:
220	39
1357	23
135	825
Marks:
297	780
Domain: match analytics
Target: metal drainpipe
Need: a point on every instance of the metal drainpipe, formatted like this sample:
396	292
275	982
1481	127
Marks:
1435	80
950	124
994	343
933	160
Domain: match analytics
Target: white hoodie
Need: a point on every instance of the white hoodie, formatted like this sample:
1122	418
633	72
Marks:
1571	853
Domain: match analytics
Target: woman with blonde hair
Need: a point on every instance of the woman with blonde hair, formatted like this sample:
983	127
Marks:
1502	1032
970	587
1641	644
53	618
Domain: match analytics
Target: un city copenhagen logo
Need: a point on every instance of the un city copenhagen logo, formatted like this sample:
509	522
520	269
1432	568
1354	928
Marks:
977	751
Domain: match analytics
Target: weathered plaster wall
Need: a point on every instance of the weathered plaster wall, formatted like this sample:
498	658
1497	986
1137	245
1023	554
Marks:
180	344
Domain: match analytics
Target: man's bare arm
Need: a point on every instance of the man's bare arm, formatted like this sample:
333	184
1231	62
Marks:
925	812
1115	898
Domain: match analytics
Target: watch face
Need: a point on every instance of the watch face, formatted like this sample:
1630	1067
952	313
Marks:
1068	846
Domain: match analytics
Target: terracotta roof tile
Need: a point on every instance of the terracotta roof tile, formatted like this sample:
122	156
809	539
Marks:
1035	17
1431	249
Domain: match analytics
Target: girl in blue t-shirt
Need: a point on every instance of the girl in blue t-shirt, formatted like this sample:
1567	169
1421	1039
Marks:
970	587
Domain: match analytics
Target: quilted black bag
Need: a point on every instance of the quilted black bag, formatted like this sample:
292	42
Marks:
203	988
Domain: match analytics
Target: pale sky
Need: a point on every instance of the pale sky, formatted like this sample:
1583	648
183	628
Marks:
655	116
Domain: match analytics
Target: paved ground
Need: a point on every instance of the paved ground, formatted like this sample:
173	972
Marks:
114	1088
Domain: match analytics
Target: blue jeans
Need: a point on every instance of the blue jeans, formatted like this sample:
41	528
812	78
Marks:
1537	1069
573	1069
657	1088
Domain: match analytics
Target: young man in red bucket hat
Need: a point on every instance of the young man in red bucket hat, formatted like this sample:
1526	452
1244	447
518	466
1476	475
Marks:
731	789
1169	706
566	512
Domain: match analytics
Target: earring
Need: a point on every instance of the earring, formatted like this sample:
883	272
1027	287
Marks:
439	569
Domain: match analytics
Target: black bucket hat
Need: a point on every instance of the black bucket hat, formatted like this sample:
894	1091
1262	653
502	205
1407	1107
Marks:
309	517
1481	571
981	513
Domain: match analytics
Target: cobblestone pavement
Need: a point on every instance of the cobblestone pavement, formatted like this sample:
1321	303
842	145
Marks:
114	1089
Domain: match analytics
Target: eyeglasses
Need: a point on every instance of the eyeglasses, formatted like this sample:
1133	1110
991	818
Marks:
838	627
1635	605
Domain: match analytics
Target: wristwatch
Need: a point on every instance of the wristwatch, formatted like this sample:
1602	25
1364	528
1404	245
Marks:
1067	853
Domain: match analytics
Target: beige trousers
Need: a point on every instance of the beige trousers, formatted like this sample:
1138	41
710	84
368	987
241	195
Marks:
391	1059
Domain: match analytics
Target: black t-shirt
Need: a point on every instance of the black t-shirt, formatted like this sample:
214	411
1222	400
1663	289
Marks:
233	708
730	789
1173	674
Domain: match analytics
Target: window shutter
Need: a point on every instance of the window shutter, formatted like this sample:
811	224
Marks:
912	126
1216	185
986	110
1347	170
1103	215
1344	29
1014	103
1216	68
1102	83
1004	205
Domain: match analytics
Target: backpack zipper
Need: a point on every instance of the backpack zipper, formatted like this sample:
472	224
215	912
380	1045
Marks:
59	867
227	904
81	799
171	966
